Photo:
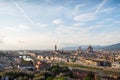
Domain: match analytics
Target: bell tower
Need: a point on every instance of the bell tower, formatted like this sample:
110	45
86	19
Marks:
55	47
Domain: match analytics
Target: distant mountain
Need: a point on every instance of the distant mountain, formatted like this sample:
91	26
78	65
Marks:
112	47
84	47
70	48
95	47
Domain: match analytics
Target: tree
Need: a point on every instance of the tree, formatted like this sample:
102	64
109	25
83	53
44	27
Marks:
60	78
88	78
50	78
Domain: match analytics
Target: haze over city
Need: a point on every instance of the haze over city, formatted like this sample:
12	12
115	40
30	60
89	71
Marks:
40	24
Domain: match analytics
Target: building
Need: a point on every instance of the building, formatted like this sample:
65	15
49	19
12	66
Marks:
42	65
90	49
103	63
26	65
1	67
116	65
26	57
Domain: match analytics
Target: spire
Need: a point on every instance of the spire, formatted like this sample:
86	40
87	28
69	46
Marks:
79	47
55	47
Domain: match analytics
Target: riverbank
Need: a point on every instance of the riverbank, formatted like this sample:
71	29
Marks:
102	71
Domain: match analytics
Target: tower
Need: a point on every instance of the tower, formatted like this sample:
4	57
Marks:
55	47
79	49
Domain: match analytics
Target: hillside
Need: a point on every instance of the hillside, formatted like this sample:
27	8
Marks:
95	47
112	47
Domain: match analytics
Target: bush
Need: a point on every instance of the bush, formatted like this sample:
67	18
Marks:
50	78
60	78
88	78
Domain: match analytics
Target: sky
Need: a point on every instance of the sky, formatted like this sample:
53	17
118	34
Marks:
40	24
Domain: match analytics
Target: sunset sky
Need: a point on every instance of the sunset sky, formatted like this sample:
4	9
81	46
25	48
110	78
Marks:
40	24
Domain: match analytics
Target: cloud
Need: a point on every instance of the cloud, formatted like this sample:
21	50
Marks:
90	16
100	6
71	12
2	37
31	41
108	19
85	17
118	21
7	9
1	41
77	7
67	11
17	28
105	37
76	28
78	24
62	29
77	35
117	16
57	21
21	42
94	27
83	37
70	43
84	29
23	27
24	13
106	10
39	25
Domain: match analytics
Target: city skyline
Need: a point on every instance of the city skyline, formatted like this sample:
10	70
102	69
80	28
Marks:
40	24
